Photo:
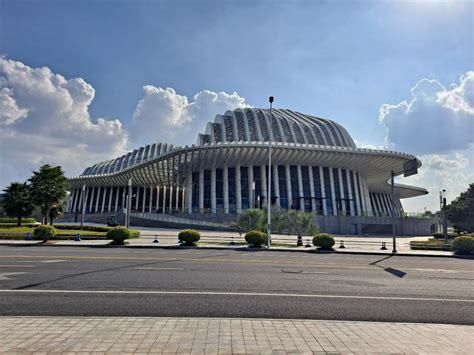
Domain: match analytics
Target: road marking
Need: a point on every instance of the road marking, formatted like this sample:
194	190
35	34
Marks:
252	294
16	266
52	261
4	275
158	268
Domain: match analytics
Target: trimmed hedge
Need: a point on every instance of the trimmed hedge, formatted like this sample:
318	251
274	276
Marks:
101	229
463	245
14	220
189	237
13	225
255	238
118	235
44	232
324	241
438	235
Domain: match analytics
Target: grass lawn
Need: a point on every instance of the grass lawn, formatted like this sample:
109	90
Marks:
23	230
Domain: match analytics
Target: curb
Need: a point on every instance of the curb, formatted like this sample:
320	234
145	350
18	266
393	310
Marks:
244	248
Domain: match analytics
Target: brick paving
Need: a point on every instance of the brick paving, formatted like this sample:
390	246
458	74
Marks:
141	335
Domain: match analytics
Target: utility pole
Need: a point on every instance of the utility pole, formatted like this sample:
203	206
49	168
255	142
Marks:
129	204
445	217
394	232
83	198
269	183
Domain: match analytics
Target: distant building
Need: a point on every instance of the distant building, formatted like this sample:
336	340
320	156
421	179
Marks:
316	167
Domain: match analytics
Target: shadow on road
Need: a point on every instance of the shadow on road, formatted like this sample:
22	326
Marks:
390	270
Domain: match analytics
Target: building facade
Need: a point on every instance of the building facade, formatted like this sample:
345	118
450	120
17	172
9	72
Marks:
316	167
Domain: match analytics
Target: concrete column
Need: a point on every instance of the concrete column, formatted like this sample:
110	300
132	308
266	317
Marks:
116	198
171	199
144	200
225	176
213	190
74	201
311	189
189	192
70	201
351	193
289	193
136	198
183	199
276	185
359	187
111	192
96	208
123	198
91	208
323	191
176	206
238	189
366	194
157	198
164	200
341	188
87	197
150	205
251	192
333	195
263	176
356	194
201	191
300	186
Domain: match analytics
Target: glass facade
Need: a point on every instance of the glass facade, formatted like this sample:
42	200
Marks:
327	192
232	188
282	186
295	192
219	189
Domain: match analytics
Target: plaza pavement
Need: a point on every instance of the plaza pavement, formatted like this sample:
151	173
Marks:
147	335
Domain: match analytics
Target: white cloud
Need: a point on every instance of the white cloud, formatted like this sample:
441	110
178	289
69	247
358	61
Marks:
434	120
163	115
44	117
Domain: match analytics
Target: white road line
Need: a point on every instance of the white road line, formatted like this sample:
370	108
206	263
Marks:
158	268
16	266
253	294
52	261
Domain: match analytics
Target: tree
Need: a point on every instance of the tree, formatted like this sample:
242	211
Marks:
461	211
302	223
17	201
250	219
48	188
55	212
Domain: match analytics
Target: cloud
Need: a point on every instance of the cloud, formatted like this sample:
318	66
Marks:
163	115
434	120
44	117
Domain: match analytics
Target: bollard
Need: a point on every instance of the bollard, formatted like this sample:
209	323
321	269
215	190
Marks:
384	247
341	245
77	238
308	244
232	242
156	239
28	236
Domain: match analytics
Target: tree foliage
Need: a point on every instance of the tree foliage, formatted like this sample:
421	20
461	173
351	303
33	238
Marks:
48	188
302	223
17	201
461	211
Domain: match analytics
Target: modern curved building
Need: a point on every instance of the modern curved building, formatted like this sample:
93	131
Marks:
316	167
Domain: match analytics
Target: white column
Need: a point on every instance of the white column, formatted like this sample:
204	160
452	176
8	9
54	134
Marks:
276	186
111	192
137	196
323	191
79	203
87	197
201	191
333	195
251	196
123	198
171	199
289	193
225	176
91	209
263	176
366	194
144	200
157	198
363	206
341	188
74	200
96	208
150	205
351	193
356	194
311	189
164	200
238	189
300	186
102	206
189	192
183	199
176	206
213	190
116	198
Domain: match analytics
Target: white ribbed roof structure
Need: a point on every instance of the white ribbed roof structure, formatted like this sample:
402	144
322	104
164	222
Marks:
240	138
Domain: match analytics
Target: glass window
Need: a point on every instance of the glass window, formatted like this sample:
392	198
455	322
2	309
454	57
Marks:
257	178
195	192
351	175
232	198
244	184
337	190
295	192
282	187
207	189
219	189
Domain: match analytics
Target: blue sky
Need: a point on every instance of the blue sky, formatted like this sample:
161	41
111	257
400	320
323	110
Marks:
337	59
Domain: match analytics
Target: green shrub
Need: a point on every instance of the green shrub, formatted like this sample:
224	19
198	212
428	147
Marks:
255	238
14	220
438	235
463	245
44	232
324	241
118	235
189	237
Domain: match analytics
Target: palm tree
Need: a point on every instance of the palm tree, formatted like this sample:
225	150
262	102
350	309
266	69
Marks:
303	223
48	188
17	201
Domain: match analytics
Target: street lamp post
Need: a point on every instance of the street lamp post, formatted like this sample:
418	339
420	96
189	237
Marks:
269	183
394	232
83	212
445	219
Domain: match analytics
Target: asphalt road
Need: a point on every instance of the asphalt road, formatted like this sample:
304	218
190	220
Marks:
227	283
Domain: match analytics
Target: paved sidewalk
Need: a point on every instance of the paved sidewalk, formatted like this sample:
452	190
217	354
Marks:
212	336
